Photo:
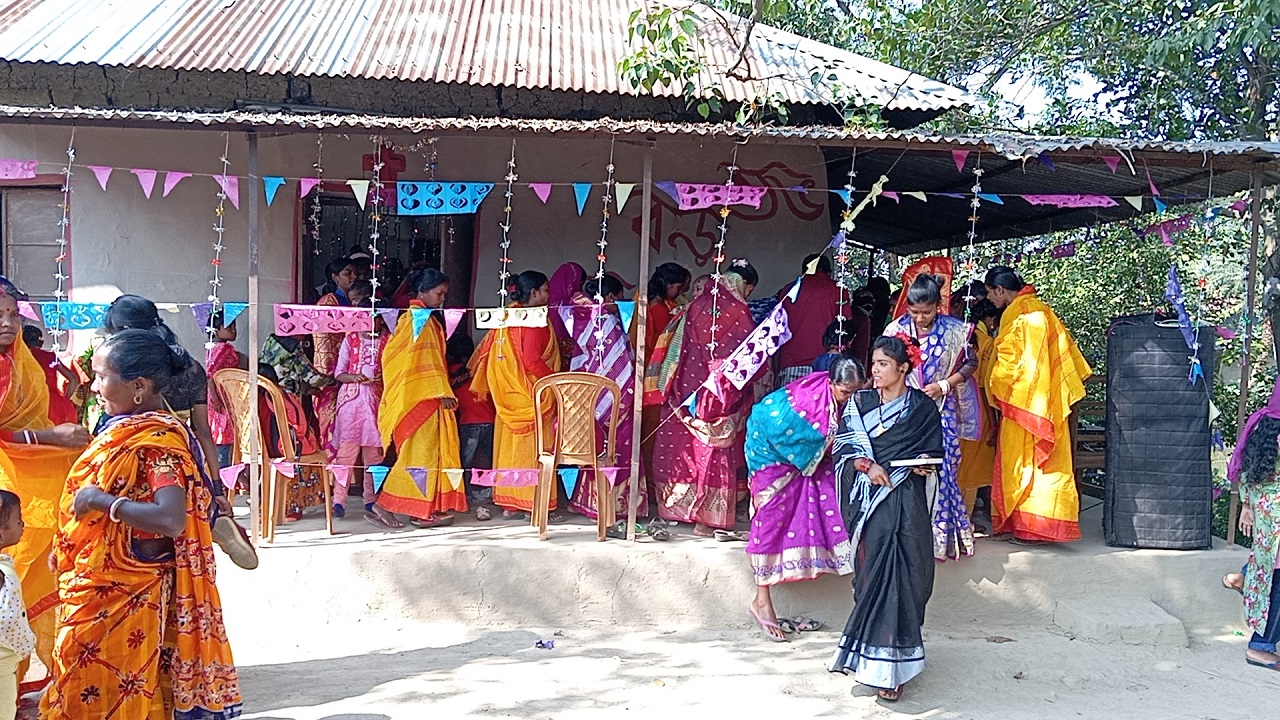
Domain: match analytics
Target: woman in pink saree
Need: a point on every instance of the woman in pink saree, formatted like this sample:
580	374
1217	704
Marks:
699	448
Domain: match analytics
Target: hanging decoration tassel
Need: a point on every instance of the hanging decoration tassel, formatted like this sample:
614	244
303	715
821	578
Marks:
504	264
596	315
220	229
375	233
969	267
60	276
719	256
843	273
314	219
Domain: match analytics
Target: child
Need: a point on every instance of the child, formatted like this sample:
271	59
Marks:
361	290
837	347
475	421
61	409
355	430
220	355
16	639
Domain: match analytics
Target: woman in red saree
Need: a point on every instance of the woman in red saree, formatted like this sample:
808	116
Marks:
699	449
140	628
341	274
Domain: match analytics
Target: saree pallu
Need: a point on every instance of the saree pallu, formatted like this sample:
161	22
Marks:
325	359
1037	375
893	565
602	349
415	377
500	369
139	640
945	351
797	532
699	452
37	473
978	457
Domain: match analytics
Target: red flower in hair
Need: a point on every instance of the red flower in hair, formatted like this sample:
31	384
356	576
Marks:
913	349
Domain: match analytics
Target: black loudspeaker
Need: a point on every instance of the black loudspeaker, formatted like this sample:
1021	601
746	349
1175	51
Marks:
1159	482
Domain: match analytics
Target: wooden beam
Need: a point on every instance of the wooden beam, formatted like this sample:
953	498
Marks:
1250	299
255	439
642	343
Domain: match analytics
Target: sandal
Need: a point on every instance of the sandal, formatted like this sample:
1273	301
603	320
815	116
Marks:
800	624
657	530
617	532
893	695
515	515
1226	583
1028	543
435	522
1258	663
766	626
483	513
728	536
383	521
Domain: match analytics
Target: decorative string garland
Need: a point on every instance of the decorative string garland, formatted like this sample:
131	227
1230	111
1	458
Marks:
719	256
969	268
314	219
376	224
220	229
504	263
842	252
60	276
602	257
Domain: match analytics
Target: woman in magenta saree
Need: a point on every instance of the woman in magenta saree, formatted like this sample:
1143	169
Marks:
699	442
797	532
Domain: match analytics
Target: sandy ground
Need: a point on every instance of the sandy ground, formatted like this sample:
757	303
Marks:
379	670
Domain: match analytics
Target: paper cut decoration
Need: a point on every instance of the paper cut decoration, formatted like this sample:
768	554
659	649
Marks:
492	318
622	192
1168	228
171	180
146	178
1065	250
28	310
699	196
360	188
419	477
482	478
379	475
103	173
519	478
434	198
1135	201
844	195
542	190
285	468
341	475
1113	162
390	316
754	352
917	195
270	185
960	156
569	476
18	169
627	312
73	315
994	199
421	316
581	191
310	319
1071	201
230	185
305	185
454	478
1046	161
452	316
231	475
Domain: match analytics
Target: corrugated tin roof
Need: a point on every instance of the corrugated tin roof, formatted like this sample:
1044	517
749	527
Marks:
568	45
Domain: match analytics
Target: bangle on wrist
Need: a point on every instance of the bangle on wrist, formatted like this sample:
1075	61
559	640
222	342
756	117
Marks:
945	386
115	507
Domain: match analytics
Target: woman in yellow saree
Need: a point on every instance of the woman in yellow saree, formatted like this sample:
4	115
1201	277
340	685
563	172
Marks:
1037	375
506	365
140	632
35	457
417	412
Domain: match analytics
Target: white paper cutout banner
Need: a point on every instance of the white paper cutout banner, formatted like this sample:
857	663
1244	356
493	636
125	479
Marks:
493	318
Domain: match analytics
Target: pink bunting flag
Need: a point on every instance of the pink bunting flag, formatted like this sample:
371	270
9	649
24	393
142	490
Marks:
482	478
390	316
231	475
171	180
1071	201
285	468
230	185
28	310
693	196
891	195
542	190
960	157
616	476
103	173
452	316
1113	162
341	475
519	478
311	319
17	169
305	186
1154	191
146	178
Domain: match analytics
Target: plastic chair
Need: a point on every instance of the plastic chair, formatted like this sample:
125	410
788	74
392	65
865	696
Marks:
574	441
233	384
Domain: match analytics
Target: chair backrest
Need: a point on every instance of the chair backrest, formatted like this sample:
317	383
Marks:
576	395
233	384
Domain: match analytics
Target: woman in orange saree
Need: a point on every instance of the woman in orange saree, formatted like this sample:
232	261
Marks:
418	412
35	456
506	365
134	553
341	274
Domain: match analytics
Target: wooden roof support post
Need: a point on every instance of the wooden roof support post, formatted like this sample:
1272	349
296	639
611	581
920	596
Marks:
642	343
255	439
1250	299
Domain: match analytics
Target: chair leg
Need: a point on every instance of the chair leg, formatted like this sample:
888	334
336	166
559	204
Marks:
605	516
326	481
267	507
542	496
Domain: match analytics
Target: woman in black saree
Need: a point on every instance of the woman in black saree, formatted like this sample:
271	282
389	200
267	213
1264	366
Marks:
885	502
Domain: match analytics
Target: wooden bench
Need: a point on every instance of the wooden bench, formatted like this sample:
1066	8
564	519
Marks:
1088	431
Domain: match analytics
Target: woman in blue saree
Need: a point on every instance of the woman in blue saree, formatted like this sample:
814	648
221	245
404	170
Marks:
885	505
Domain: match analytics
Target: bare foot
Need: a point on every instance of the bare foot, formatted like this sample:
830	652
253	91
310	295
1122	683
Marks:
891	695
770	625
1263	658
703	530
1233	581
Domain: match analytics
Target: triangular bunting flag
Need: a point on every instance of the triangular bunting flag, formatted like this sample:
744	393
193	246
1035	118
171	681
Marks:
1135	201
1113	162
452	316
103	173
891	195
420	318
542	190
1045	161
581	191
794	293
147	179
454	477
960	156
569	476
668	187
995	199
917	195
612	475
171	180
305	185
391	317
341	475
843	195
285	468
836	241
623	193
627	311
270	184
1154	192
379	474
812	267
231	475
231	311
28	310
202	311
360	188
230	185
419	476
1160	206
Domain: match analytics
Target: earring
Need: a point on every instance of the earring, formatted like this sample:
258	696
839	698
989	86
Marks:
137	399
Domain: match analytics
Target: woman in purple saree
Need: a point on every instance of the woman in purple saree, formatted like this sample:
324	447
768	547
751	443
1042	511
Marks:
797	532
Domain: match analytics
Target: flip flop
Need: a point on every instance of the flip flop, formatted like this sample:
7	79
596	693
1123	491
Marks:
483	514
1028	543
1229	586
728	536
800	624
1269	666
436	522
382	522
892	696
658	530
766	626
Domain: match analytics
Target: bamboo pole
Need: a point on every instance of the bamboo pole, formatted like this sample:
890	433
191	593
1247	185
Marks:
1250	298
255	441
642	343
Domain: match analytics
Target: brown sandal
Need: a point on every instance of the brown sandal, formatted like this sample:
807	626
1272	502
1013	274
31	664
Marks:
893	695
